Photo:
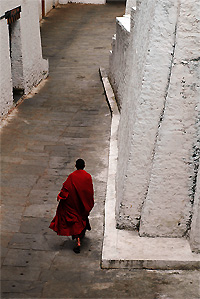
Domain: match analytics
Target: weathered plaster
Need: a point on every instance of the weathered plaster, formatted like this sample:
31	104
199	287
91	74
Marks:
149	253
129	5
28	66
83	1
195	227
118	57
159	126
168	204
6	98
151	43
35	67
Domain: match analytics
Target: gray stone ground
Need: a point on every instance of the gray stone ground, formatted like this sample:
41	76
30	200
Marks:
67	119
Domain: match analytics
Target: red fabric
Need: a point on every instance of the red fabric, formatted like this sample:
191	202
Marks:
76	202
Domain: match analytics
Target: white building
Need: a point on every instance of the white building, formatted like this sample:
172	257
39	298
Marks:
45	6
22	65
155	73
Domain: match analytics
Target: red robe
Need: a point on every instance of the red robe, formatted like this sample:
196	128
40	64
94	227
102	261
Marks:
76	202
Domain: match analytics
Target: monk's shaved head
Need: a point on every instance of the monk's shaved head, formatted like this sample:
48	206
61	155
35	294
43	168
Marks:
80	164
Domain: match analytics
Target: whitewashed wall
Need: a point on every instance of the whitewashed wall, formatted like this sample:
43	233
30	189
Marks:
172	171
6	97
31	68
143	104
129	5
35	67
49	5
195	227
83	1
40	9
158	127
118	62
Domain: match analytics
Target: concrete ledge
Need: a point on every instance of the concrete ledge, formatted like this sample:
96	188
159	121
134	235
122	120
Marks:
110	97
125	249
124	22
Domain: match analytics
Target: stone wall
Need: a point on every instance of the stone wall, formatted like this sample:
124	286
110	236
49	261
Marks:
28	66
118	62
143	104
195	227
35	68
49	4
172	173
129	5
158	136
6	97
83	1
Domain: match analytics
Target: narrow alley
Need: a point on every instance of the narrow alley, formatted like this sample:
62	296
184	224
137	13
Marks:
66	118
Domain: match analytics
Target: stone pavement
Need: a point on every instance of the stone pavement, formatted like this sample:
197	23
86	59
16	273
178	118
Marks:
64	119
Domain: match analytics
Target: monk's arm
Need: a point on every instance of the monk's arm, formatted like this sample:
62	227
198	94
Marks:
63	194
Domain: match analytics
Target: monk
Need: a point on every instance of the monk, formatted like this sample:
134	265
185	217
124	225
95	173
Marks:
76	200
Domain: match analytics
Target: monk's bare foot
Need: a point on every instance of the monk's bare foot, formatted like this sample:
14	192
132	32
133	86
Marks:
77	249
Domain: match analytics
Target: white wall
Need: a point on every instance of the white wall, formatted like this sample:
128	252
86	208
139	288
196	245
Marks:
129	5
49	4
35	67
40	9
173	166
142	104
83	1
118	62
157	133
195	227
16	55
31	67
6	98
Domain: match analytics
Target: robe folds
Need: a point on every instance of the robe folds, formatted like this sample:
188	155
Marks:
76	200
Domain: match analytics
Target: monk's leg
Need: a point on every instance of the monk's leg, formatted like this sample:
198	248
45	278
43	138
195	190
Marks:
78	240
78	245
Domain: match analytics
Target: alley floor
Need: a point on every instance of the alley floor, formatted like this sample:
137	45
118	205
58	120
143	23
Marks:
67	118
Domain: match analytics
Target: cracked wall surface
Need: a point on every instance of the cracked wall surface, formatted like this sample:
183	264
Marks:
169	201
143	104
158	132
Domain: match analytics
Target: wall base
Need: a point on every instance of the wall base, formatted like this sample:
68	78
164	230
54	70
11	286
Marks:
125	249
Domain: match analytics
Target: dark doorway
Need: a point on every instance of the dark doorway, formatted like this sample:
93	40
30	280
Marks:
43	8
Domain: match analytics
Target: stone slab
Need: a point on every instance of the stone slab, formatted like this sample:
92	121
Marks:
29	258
125	249
15	287
36	225
20	273
31	241
40	210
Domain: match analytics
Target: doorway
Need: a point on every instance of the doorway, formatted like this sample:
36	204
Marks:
43	8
